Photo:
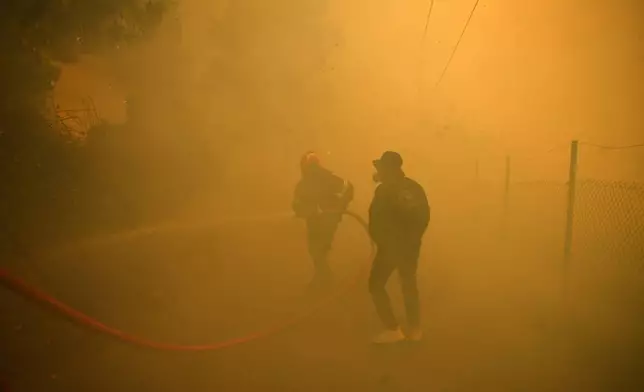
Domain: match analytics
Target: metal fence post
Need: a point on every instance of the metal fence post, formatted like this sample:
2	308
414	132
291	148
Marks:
570	214
506	200
506	194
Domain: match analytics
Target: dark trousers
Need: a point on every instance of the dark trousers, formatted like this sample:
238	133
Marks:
404	259
320	230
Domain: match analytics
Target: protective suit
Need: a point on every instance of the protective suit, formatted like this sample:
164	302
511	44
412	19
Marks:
320	198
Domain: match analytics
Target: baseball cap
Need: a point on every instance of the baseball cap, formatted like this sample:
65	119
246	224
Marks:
389	160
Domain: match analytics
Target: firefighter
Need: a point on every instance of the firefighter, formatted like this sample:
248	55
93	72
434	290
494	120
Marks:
398	217
320	199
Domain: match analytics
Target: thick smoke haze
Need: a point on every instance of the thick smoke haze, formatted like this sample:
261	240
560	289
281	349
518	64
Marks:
218	105
356	78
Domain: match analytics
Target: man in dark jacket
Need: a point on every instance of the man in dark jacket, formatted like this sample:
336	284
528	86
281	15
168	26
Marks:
320	199
398	217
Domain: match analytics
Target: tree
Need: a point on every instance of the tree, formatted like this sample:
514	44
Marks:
38	37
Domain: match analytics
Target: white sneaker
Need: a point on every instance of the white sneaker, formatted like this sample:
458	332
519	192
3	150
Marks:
389	336
415	335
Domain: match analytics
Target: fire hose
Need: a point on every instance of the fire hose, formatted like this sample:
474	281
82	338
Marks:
25	289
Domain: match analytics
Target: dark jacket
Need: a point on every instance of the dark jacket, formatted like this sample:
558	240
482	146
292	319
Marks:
321	191
399	213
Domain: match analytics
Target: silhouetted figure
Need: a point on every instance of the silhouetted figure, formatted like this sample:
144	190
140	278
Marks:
320	198
398	217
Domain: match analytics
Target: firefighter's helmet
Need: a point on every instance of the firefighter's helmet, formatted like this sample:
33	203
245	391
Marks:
309	160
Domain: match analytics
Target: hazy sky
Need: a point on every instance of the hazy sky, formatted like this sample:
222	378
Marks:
555	69
529	75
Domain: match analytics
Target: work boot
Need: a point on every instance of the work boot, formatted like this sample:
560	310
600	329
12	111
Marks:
389	336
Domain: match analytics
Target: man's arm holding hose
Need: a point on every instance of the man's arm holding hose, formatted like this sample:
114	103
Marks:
346	194
376	220
343	190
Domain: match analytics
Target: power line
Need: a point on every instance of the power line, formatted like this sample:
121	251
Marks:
555	148
605	147
451	57
565	146
422	43
429	15
421	65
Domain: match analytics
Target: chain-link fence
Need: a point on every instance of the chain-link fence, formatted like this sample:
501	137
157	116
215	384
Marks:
607	244
605	232
609	224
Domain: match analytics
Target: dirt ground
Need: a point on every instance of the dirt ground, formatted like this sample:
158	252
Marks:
489	325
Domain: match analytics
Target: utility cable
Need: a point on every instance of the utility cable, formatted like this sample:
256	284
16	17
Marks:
605	147
458	43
